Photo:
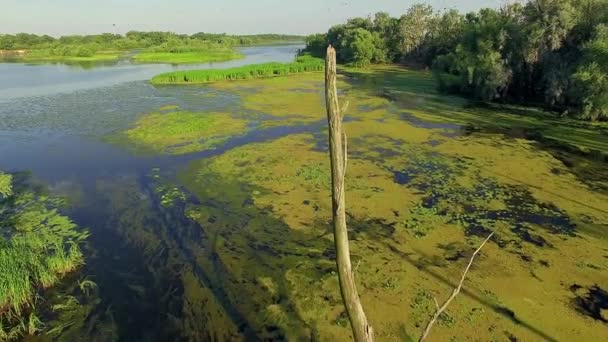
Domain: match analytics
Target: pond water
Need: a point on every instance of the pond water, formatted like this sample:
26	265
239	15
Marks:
231	241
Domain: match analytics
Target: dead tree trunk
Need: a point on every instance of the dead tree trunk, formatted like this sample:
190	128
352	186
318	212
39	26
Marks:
362	331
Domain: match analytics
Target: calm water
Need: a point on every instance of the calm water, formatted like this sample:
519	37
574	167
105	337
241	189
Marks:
53	118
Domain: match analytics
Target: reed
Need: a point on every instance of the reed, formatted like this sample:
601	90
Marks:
302	64
38	246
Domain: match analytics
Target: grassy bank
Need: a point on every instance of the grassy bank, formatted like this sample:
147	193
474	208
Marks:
302	64
187	57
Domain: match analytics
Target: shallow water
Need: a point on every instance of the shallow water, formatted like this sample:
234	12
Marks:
232	242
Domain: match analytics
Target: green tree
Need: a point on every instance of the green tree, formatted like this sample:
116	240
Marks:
358	47
386	28
591	78
413	28
316	45
444	35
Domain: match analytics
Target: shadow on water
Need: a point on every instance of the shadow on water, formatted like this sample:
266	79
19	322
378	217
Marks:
501	310
591	301
142	282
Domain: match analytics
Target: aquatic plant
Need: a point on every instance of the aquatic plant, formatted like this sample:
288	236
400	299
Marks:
38	246
302	64
179	132
6	184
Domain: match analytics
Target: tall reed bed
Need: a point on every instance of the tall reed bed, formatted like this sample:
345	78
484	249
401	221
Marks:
302	64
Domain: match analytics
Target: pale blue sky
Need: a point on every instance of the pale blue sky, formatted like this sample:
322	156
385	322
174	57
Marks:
57	17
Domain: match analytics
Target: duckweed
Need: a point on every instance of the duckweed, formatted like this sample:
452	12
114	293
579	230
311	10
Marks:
179	132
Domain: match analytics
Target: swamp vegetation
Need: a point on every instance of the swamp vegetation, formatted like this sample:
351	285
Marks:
224	231
206	194
429	177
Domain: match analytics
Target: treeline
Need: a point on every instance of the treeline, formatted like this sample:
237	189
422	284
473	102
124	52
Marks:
550	52
85	46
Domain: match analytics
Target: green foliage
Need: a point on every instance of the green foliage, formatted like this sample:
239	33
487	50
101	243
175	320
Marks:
38	246
316	45
6	184
592	77
413	29
302	64
157	47
358	46
540	51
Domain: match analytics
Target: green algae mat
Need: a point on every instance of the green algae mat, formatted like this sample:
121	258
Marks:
429	177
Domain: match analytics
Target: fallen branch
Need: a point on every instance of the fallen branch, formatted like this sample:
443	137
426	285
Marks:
441	309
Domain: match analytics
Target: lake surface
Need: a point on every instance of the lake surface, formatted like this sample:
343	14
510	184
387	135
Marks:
52	116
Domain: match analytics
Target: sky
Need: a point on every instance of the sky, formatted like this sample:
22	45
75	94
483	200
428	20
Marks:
59	17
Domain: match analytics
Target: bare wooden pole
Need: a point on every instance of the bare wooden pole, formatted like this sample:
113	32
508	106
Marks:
441	309
362	331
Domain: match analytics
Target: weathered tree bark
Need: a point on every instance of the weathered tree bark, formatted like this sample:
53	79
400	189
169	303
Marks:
362	331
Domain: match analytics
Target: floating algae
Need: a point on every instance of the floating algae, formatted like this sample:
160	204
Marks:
179	132
241	247
265	209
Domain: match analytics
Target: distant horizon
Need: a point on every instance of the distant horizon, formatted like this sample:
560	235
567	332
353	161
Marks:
189	34
233	17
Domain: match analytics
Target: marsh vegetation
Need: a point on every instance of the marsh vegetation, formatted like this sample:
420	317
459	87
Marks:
198	207
429	177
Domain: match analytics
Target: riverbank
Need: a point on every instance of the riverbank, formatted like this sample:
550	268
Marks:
205	56
42	56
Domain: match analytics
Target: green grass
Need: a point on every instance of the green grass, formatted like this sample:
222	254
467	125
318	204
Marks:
187	57
302	64
38	246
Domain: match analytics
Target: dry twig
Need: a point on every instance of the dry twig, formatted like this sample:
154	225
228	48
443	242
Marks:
441	309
